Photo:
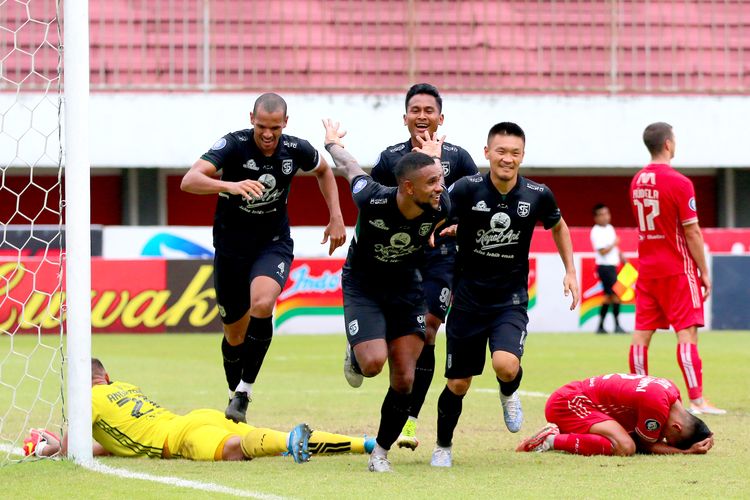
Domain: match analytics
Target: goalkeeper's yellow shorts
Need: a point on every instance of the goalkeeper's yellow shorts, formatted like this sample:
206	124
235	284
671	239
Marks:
201	434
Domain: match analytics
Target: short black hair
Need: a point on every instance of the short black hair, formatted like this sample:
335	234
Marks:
656	135
96	365
424	88
506	128
411	162
270	102
696	431
598	207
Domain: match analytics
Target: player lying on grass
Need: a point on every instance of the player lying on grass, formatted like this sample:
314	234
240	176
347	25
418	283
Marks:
127	423
619	414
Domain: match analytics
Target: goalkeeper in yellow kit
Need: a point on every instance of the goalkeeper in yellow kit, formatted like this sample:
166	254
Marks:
127	423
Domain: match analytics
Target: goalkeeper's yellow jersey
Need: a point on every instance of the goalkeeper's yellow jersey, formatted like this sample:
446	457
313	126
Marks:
126	422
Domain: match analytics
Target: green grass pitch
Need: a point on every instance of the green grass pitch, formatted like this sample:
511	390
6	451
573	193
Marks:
302	380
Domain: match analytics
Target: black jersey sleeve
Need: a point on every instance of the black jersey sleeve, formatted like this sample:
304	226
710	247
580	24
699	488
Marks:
223	152
457	193
466	163
363	189
382	171
308	156
549	214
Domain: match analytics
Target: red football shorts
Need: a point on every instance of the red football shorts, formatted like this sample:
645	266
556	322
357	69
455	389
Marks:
572	411
675	301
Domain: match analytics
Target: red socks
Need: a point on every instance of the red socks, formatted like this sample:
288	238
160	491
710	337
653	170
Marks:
638	359
583	444
692	369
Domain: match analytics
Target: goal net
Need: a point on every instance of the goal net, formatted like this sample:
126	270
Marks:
31	223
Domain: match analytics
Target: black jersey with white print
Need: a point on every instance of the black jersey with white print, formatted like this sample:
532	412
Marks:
494	237
240	224
387	246
456	162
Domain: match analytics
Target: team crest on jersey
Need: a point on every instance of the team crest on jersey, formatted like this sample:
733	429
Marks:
379	223
425	228
359	186
446	168
481	206
692	205
219	144
524	208
353	327
250	164
652	424
286	167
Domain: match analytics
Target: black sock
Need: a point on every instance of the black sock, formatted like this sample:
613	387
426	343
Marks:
422	379
508	388
602	313
616	312
257	341
232	355
393	415
449	410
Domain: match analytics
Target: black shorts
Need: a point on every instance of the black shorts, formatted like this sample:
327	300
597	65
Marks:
608	276
468	333
437	280
377	312
233	275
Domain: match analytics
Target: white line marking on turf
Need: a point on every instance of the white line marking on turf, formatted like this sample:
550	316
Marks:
179	482
530	394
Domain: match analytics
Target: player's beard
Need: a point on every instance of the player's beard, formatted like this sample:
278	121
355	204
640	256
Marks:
425	206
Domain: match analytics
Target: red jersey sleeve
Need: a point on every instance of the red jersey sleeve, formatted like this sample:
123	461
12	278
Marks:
686	206
653	408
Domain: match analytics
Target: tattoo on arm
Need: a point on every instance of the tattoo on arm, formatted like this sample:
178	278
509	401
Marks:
345	161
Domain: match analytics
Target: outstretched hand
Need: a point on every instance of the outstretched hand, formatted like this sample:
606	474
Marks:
430	145
449	231
333	135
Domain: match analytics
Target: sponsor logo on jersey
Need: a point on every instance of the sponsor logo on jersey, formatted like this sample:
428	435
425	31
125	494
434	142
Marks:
524	208
420	319
475	178
353	327
446	168
286	167
250	164
400	246
270	195
282	269
481	206
447	147
500	234
379	223
359	186
425	228
242	138
534	187
647	178
378	201
292	145
267	180
396	149
219	144
267	167
691	204
222	311
652	425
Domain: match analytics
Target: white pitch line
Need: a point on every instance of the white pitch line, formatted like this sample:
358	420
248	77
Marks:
97	466
530	394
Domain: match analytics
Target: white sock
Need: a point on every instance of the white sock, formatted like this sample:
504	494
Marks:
413	419
231	393
379	451
244	387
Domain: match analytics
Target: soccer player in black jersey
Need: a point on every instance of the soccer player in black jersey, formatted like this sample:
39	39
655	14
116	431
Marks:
496	215
251	233
424	114
384	305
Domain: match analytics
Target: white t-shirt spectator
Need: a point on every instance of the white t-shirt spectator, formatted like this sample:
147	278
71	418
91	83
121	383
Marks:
602	237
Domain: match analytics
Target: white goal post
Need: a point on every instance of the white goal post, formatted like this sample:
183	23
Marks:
78	227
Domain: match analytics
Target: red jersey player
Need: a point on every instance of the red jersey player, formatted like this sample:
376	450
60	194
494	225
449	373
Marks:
672	264
619	414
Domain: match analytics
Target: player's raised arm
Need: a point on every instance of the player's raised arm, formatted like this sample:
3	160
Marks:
343	160
561	235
